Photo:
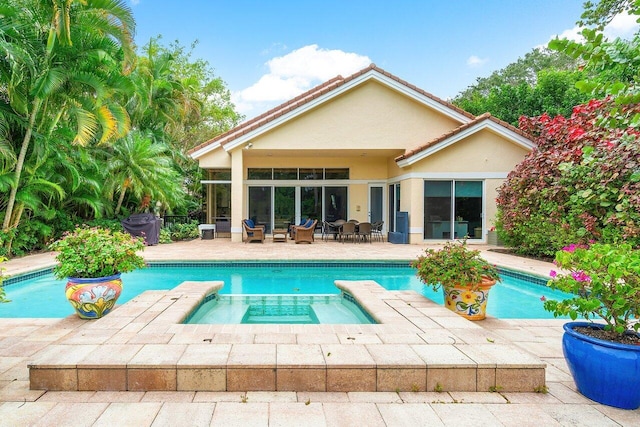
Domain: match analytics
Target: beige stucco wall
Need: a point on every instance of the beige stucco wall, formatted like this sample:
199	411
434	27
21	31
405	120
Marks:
369	168
370	117
215	159
482	152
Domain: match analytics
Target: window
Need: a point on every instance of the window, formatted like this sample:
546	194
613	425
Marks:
285	174
264	173
220	175
336	174
311	174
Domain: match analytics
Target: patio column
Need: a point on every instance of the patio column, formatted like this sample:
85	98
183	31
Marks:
411	200
237	195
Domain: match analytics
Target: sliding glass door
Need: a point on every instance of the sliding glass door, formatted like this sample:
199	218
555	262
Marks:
453	209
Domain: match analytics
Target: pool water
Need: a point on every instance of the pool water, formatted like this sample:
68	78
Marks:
43	296
282	309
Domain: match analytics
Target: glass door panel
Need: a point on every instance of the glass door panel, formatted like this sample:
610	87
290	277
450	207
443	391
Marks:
468	209
260	206
375	203
437	209
335	203
284	206
311	203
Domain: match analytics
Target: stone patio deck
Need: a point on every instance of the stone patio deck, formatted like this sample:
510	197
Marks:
23	341
417	345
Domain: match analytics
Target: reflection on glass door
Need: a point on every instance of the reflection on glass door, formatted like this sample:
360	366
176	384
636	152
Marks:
284	207
260	206
311	203
335	203
468	207
437	209
452	209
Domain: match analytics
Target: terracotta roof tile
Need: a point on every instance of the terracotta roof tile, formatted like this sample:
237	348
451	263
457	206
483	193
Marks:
475	121
307	97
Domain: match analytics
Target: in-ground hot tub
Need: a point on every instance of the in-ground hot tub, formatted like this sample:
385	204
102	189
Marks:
280	309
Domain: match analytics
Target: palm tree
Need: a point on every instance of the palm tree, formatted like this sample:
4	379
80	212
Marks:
144	168
60	68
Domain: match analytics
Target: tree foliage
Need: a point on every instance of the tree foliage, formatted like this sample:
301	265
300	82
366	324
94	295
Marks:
71	90
581	183
542	81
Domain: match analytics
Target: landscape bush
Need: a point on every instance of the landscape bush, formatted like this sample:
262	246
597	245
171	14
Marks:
580	184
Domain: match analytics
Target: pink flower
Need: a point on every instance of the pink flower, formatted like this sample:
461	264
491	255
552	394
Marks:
553	273
580	276
543	298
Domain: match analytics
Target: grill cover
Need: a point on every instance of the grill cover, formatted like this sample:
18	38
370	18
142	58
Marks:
145	225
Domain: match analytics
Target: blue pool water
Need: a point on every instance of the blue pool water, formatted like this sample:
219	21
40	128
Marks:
43	296
290	309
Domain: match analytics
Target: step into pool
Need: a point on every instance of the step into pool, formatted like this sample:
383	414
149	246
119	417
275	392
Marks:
281	309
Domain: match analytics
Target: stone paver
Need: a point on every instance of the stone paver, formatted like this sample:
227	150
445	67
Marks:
20	406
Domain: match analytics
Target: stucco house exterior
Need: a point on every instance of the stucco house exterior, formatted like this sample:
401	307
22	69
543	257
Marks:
362	147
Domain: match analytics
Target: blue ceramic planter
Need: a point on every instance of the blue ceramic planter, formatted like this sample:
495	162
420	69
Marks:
604	371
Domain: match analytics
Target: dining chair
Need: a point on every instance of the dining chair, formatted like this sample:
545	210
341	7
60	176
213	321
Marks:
348	230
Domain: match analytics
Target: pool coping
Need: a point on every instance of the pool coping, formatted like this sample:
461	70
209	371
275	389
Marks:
417	345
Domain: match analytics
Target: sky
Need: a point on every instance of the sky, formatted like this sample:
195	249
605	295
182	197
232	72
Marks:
269	51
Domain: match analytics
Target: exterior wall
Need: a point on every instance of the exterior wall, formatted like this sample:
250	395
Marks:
215	159
483	152
369	118
484	155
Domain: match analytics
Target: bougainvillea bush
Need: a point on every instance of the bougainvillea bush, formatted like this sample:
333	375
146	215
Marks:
581	183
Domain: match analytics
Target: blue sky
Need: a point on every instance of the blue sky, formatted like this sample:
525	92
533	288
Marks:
270	51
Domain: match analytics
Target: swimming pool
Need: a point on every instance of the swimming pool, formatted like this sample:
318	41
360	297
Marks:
41	295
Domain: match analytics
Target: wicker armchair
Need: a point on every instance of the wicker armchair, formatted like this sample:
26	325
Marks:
305	234
255	233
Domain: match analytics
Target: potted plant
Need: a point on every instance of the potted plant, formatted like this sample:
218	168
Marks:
604	282
464	276
92	260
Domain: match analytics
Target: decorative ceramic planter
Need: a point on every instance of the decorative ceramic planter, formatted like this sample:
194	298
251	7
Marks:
604	371
468	301
93	298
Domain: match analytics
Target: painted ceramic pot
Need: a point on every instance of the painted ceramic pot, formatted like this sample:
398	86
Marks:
93	298
468	301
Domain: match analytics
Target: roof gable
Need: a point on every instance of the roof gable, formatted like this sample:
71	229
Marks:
484	121
319	95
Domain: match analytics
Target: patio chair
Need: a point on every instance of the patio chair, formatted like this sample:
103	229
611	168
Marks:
305	234
347	231
329	229
376	230
255	233
304	224
364	231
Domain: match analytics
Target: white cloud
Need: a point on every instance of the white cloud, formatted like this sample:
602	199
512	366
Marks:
294	73
475	61
623	26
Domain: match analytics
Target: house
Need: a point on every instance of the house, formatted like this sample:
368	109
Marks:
362	147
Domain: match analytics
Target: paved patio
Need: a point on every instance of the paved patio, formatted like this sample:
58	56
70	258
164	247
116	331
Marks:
22	339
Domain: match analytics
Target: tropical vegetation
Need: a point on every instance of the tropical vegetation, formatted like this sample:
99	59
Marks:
582	182
90	128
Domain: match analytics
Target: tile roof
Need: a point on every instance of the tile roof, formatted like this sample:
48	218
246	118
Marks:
474	122
307	97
